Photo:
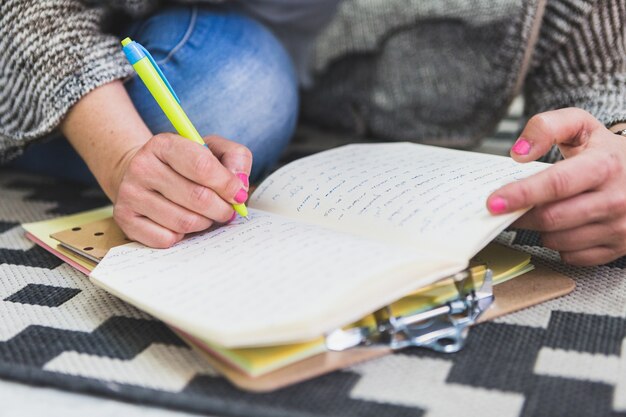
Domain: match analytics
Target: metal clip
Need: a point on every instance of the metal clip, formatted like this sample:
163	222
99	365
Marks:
443	329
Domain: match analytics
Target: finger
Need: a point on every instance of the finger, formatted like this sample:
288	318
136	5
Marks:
579	238
569	128
585	208
234	156
169	215
188	194
562	180
592	256
199	165
143	230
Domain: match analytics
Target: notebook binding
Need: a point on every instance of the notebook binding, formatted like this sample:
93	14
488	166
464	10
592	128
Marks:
442	329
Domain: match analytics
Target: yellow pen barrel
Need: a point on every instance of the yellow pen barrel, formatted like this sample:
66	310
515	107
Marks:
166	100
171	108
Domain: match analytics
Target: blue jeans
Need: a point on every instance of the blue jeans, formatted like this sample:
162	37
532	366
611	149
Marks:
233	78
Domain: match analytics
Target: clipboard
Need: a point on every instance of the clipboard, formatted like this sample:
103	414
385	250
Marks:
534	287
449	322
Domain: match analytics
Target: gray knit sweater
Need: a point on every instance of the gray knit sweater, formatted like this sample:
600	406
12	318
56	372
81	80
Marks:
445	71
429	70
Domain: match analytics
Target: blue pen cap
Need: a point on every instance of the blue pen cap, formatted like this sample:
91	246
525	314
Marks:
134	51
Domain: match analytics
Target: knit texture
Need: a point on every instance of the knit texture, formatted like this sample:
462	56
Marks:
437	72
52	53
444	72
580	60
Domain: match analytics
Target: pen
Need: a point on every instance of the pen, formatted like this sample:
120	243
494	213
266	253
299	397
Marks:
162	91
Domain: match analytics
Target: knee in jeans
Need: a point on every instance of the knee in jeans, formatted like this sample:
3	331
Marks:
258	99
234	79
267	116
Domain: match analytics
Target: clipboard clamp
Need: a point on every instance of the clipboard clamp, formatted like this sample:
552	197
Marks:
442	329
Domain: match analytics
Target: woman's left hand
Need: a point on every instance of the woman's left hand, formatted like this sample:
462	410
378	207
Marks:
580	202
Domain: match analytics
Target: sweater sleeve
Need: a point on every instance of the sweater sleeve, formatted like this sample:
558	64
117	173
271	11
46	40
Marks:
52	53
580	60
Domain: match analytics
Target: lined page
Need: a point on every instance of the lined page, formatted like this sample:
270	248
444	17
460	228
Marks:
267	280
414	193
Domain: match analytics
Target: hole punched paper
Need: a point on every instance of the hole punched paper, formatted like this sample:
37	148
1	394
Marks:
331	238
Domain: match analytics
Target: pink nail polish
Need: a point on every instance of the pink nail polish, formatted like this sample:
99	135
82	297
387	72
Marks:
244	179
497	205
233	217
241	196
521	147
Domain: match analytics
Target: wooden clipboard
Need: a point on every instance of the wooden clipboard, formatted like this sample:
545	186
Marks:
534	287
93	240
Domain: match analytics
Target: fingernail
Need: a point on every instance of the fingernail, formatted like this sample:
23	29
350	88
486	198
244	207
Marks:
241	196
244	179
521	147
497	205
233	217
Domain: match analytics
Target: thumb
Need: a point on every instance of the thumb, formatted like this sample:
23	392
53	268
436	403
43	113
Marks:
568	128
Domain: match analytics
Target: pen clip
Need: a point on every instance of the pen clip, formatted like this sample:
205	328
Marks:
156	67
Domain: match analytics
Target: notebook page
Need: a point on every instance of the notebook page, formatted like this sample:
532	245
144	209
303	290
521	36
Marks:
269	280
426	195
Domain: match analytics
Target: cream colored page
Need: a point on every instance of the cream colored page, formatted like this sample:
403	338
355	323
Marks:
425	195
262	281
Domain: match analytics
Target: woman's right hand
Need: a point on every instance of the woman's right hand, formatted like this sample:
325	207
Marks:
163	186
171	186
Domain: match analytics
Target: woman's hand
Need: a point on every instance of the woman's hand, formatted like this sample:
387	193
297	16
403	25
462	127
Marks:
172	186
163	186
580	202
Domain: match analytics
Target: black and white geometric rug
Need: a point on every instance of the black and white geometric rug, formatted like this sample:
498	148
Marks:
566	357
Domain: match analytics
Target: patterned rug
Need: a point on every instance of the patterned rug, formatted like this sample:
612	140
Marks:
566	357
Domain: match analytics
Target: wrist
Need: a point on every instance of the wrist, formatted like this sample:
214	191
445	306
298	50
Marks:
114	177
106	130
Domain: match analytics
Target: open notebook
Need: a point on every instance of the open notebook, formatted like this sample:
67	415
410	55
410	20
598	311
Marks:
332	238
95	230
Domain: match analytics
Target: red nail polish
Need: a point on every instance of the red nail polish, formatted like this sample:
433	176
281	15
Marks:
497	205
241	196
244	179
521	147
